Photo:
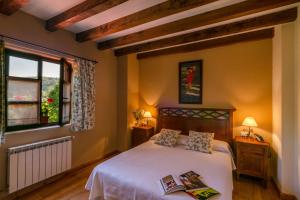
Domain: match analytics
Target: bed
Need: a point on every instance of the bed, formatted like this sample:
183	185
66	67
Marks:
134	174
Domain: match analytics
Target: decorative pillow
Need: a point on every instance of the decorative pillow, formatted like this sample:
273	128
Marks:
181	140
167	137
200	141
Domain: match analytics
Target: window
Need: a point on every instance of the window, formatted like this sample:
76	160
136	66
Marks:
38	91
66	87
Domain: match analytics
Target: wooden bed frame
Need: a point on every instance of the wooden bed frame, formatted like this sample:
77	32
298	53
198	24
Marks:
218	121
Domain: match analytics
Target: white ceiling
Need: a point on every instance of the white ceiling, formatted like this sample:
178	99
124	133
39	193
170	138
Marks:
45	9
122	10
175	17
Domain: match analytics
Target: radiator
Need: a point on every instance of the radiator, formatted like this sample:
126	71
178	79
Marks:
32	163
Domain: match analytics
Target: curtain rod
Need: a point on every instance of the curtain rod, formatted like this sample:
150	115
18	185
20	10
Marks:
40	46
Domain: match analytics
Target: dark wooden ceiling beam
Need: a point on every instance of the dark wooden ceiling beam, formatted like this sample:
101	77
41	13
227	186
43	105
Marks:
244	37
222	14
227	29
8	7
155	12
80	12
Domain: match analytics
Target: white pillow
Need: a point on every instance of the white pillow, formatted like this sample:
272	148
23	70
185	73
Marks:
182	139
221	146
154	136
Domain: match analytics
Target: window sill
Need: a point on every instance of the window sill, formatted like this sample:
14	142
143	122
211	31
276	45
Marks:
32	130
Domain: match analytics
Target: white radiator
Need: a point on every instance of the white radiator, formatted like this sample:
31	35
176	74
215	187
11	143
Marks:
32	163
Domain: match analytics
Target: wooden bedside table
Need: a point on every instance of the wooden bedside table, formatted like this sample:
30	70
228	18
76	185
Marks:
252	158
141	134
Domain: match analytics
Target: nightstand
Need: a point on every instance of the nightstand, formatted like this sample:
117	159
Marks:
141	134
252	158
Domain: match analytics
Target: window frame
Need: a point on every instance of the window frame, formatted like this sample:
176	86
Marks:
39	59
64	62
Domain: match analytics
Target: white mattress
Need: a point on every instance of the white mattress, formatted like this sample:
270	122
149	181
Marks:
133	175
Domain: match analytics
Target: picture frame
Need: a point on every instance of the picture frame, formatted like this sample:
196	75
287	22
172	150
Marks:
190	82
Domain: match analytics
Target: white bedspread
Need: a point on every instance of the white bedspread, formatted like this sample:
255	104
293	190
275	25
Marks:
133	175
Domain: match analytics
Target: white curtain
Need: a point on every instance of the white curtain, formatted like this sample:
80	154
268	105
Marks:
83	96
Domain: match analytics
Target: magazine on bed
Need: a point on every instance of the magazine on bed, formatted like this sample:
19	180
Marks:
203	194
190	183
171	184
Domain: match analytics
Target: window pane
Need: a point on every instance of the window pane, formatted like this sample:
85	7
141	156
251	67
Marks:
22	114
51	70
21	67
50	91
22	91
66	112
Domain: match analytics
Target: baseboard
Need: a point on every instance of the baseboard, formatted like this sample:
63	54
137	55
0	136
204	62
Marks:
50	180
282	195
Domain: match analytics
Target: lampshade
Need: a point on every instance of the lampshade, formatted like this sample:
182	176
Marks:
249	121
147	114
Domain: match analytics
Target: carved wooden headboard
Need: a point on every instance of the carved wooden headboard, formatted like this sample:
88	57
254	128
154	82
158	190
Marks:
218	121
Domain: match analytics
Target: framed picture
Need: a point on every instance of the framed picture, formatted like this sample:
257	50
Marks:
190	82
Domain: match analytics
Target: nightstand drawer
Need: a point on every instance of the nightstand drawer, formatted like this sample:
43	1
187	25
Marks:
251	164
252	149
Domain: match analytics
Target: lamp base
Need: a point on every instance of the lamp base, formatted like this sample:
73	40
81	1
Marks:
249	132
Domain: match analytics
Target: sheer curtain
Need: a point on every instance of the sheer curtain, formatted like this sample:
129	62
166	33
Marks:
83	97
2	93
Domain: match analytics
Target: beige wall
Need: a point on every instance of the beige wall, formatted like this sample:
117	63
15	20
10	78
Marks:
128	98
284	106
122	123
238	76
286	113
297	108
88	145
133	88
277	108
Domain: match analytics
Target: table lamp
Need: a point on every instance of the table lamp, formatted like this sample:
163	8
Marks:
250	122
147	115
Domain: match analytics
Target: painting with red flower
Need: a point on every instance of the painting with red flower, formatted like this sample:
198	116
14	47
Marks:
190	82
